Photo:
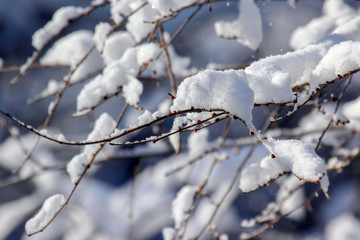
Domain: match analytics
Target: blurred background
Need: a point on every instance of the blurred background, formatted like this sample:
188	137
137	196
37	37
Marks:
98	202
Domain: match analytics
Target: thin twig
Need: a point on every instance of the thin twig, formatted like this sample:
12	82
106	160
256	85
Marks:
311	97
108	139
335	111
167	60
93	156
34	65
37	53
233	180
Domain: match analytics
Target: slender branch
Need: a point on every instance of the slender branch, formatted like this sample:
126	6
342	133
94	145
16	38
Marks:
55	105
167	60
182	129
43	95
232	182
34	65
311	97
37	53
108	139
67	81
335	111
197	197
183	25
93	156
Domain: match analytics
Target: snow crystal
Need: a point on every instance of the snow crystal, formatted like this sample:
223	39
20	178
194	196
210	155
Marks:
168	233
76	166
102	30
340	59
116	45
211	89
47	211
70	49
247	28
197	143
182	204
55	25
166	7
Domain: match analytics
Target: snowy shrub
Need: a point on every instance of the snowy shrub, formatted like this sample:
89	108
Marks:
192	119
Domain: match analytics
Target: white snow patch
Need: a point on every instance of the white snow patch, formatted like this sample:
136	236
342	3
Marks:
116	45
70	49
102	30
301	160
182	203
76	166
103	127
247	28
291	198
47	211
121	8
138	24
212	89
197	143
351	109
289	156
59	21
269	83
110	82
340	59
345	226
168	233
335	14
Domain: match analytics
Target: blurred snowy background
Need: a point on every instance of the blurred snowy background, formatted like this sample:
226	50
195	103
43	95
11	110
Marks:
99	209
